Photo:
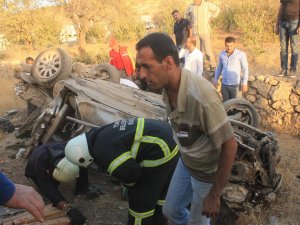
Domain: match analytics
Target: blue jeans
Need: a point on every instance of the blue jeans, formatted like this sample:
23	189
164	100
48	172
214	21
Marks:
229	91
288	34
183	190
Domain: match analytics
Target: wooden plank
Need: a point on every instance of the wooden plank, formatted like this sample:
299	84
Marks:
51	213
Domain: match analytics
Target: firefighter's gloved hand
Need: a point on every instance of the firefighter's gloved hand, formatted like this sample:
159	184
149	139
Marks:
90	192
76	217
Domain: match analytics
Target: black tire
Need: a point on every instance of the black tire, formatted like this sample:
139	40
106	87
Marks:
107	72
242	110
50	66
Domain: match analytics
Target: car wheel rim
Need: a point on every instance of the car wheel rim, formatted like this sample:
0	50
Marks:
49	65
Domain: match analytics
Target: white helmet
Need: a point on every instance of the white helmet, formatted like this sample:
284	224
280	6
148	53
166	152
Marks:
65	171
77	151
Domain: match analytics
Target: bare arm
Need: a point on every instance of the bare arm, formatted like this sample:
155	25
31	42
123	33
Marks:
27	198
211	203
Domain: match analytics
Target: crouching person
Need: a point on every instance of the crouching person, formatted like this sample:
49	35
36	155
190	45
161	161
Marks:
47	167
141	153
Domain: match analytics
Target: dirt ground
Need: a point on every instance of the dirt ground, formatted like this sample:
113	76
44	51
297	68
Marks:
110	209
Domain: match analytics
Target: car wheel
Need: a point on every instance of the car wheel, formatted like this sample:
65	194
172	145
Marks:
243	111
50	66
108	72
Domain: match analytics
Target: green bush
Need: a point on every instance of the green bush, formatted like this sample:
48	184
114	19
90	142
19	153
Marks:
128	30
96	33
254	18
225	20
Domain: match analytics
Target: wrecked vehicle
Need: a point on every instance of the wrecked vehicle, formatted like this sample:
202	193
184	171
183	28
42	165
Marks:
78	102
37	81
83	102
253	181
53	65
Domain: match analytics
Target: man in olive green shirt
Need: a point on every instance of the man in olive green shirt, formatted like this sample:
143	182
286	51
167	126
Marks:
201	129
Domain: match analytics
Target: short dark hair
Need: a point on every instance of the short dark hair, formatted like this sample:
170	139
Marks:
161	44
29	59
230	39
175	11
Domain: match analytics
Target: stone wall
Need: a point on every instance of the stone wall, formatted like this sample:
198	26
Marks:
277	100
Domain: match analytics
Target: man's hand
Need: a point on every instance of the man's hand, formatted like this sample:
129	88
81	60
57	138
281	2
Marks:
211	202
244	88
25	197
216	84
76	217
211	205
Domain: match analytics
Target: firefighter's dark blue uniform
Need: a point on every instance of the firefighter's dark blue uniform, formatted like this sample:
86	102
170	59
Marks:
143	155
40	166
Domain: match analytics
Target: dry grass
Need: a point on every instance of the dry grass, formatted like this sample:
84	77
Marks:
287	206
8	99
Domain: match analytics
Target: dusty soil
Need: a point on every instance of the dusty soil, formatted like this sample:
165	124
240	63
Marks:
110	209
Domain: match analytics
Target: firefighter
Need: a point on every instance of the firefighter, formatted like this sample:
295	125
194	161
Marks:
47	167
141	153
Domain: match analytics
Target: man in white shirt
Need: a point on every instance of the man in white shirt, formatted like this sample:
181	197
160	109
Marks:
193	57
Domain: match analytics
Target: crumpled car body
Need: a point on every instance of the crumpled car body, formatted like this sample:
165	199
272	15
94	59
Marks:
89	102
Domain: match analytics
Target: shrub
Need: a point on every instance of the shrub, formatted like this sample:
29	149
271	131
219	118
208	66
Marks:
254	18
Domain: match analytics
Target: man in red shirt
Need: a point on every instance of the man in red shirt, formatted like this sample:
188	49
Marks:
120	58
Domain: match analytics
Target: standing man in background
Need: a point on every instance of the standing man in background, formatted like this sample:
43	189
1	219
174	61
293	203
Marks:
181	29
287	27
231	62
200	14
120	59
193	57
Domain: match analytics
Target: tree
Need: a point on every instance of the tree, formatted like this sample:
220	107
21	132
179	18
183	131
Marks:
23	22
83	15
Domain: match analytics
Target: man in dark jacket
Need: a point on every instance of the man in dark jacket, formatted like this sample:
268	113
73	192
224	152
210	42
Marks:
182	29
141	153
47	167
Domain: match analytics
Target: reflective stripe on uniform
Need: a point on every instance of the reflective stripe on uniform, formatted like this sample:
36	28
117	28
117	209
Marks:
139	216
160	202
137	137
158	162
118	161
155	140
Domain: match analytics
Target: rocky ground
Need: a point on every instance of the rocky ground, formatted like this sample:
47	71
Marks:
110	209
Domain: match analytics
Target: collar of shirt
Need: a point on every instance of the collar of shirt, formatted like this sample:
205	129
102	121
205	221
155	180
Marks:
232	54
181	97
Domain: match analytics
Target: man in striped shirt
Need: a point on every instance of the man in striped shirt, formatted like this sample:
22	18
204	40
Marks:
200	14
